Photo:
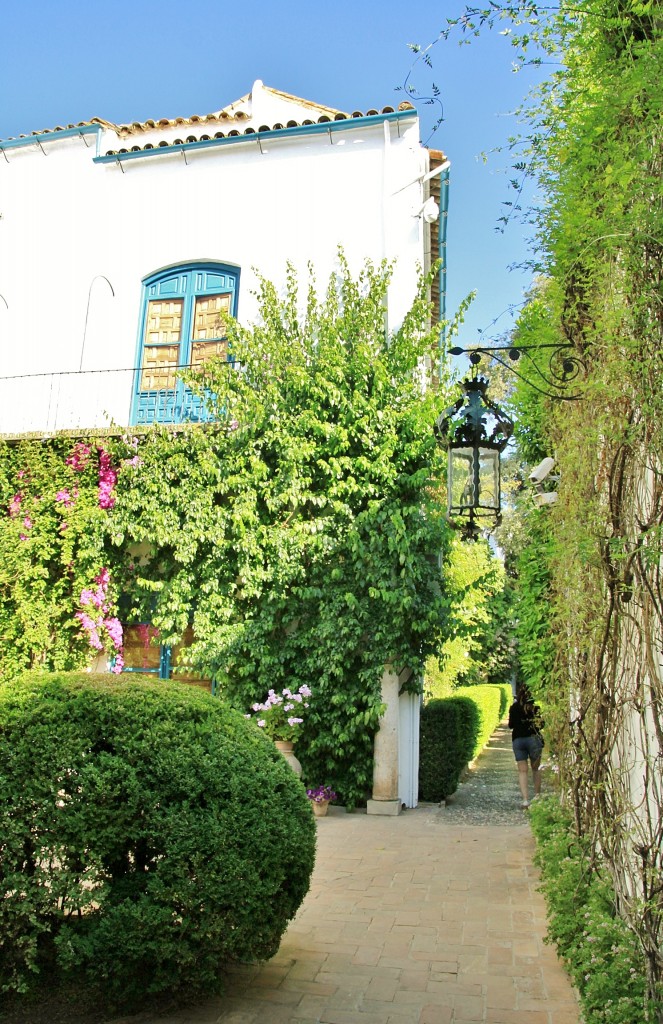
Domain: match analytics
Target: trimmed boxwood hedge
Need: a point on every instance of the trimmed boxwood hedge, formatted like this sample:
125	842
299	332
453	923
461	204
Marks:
492	701
148	834
449	726
453	731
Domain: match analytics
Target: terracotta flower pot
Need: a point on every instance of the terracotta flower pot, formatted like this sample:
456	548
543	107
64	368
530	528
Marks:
320	807
286	748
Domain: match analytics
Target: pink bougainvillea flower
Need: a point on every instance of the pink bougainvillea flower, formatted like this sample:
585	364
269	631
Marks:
114	630
92	629
80	456
22	536
96	597
27	523
65	498
107	480
14	506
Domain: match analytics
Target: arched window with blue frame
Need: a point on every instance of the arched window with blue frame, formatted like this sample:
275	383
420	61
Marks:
181	325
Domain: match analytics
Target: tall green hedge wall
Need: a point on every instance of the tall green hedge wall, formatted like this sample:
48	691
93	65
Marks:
453	731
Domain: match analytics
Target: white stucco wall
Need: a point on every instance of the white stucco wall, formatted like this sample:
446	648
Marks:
73	232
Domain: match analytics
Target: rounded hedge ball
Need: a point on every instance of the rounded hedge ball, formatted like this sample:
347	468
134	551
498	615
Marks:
149	835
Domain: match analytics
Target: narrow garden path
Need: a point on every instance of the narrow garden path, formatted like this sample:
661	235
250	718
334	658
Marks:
432	917
489	794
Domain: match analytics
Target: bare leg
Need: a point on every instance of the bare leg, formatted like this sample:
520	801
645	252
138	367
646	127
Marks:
522	781
536	776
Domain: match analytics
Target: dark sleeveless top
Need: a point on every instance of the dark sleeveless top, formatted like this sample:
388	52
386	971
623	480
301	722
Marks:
524	720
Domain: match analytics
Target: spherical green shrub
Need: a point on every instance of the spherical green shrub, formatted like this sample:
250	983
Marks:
148	834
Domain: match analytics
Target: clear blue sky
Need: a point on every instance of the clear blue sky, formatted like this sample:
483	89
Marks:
65	61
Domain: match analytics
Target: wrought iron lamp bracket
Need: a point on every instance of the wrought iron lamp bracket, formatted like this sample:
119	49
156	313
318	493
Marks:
562	370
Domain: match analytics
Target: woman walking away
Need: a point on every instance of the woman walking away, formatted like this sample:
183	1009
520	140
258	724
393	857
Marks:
527	742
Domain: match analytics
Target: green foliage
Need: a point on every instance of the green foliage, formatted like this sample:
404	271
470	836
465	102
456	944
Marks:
601	952
590	611
299	535
492	703
453	731
449	727
149	834
590	616
477	646
534	630
52	532
308	551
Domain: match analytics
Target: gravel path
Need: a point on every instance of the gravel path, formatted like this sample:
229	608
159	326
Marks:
488	794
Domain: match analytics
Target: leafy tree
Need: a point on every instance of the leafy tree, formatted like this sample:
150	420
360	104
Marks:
477	646
299	534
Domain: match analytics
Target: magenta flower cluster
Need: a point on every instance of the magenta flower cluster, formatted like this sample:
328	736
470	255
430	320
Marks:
14	507
281	714
107	480
321	794
66	498
79	457
97	618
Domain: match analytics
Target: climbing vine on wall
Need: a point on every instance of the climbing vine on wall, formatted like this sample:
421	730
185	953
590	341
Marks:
592	637
591	604
299	535
57	594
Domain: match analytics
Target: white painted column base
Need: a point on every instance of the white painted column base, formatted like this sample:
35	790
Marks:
383	807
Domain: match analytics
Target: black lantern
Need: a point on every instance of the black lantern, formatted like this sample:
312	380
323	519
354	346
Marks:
475	431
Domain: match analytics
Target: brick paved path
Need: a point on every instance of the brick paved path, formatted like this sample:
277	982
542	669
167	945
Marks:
429	918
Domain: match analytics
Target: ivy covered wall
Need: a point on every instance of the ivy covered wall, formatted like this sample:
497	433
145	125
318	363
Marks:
591	593
300	535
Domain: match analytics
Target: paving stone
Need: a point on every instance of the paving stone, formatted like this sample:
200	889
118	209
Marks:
232	1017
469	1008
431	917
382	989
435	1015
368	955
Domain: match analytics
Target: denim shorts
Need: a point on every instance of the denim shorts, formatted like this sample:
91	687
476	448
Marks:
527	747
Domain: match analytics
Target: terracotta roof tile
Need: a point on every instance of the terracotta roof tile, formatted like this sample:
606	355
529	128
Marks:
249	130
230	117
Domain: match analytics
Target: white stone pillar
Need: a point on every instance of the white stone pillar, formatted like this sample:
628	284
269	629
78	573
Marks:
386	798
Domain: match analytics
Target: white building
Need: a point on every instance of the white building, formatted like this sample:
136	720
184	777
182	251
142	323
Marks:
120	243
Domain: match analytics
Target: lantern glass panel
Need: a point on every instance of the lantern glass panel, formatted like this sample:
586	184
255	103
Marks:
489	478
461	477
